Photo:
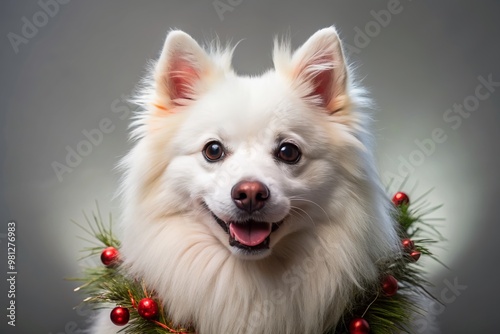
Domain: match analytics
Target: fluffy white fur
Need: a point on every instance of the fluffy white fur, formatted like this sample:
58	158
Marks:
337	221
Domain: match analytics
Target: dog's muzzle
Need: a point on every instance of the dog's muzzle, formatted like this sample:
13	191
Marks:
249	235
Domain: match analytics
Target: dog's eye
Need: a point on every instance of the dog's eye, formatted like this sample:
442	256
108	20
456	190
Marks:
213	151
289	153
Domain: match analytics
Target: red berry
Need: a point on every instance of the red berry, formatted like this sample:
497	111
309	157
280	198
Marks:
120	316
389	286
408	245
359	326
148	308
415	255
400	198
109	256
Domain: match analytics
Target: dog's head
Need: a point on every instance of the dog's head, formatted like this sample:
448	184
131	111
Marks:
255	160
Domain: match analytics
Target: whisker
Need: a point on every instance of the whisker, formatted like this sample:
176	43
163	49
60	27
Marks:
297	198
305	212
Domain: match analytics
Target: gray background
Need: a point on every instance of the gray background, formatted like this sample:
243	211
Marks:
68	77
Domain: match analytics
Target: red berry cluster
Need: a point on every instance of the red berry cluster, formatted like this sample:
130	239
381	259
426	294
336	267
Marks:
389	284
409	248
120	316
147	308
400	199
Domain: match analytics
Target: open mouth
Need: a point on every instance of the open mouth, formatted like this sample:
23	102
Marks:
249	235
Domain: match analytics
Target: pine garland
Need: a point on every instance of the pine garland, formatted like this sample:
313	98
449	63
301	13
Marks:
109	286
389	314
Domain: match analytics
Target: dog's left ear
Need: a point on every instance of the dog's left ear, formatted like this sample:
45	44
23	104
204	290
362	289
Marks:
319	68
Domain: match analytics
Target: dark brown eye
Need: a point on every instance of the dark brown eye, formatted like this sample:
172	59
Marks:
213	151
289	153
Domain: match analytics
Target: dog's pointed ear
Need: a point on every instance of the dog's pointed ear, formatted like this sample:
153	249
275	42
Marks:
319	68
181	69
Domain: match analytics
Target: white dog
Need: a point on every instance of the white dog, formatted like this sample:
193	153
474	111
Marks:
252	204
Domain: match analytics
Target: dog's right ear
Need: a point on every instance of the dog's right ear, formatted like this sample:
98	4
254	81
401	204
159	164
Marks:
182	70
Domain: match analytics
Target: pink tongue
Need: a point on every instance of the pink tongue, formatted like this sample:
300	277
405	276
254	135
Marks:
251	233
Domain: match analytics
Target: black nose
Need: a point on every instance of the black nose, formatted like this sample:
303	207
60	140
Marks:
250	195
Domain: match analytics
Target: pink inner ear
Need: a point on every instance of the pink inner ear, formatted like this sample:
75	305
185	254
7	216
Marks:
320	75
323	85
182	78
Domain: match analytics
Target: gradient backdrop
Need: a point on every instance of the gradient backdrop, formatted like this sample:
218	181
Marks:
64	72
